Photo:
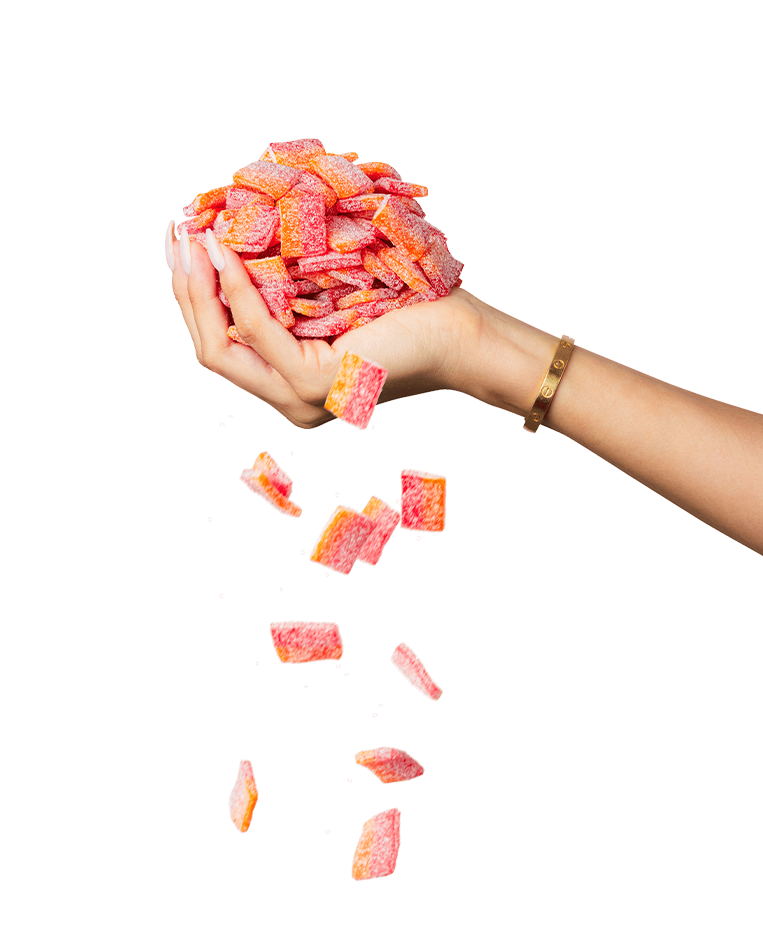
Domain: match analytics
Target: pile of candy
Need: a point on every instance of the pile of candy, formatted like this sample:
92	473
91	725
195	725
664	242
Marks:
329	244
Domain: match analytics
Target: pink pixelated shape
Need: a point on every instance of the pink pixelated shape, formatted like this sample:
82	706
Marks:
405	659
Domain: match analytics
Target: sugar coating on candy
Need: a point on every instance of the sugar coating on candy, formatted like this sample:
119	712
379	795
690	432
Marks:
406	660
440	267
364	297
423	501
385	520
267	177
379	169
342	539
413	205
306	642
395	186
333	323
355	276
356	389
329	261
411	272
261	484
197	223
252	228
303	224
375	266
238	197
389	764
403	228
309	182
265	464
377	849
211	200
296	154
315	309
360	203
341	175
243	797
344	234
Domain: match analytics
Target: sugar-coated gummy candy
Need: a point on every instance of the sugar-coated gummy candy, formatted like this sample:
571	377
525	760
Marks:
306	642
329	261
357	277
270	481
440	267
252	228
341	175
408	270
403	228
267	178
331	324
303	224
423	501
342	539
389	764
385	520
401	188
296	154
364	297
377	849
379	169
211	200
360	203
344	234
376	266
406	660
356	389
243	797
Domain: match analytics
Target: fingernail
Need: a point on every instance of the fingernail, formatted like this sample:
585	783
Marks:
168	250
214	251
185	251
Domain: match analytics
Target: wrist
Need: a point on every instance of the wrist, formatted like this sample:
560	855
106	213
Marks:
500	360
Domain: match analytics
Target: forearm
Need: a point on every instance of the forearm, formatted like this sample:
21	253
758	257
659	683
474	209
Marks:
701	454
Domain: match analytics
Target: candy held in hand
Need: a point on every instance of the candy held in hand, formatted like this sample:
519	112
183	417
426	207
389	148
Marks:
355	390
405	659
342	539
389	764
243	797
423	501
306	642
376	853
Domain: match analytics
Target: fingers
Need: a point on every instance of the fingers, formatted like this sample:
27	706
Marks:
179	285
257	326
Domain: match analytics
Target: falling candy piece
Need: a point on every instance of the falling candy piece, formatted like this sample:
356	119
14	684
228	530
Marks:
385	520
306	642
243	797
376	853
342	539
390	764
405	659
266	477
423	501
356	389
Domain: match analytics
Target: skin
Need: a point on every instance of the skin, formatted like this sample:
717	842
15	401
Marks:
703	455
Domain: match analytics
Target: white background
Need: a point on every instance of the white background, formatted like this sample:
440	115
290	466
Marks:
595	759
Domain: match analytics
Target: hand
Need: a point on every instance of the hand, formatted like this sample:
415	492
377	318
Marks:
421	346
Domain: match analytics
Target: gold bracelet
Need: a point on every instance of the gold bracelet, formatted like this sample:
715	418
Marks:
547	390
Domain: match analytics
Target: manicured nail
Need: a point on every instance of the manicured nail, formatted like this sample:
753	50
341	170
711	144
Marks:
185	251
214	251
168	250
